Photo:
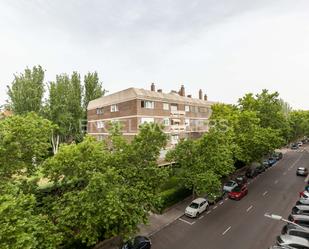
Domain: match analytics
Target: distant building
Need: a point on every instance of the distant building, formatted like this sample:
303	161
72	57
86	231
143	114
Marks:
181	115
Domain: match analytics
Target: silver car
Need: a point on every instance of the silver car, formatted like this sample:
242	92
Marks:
295	231
292	241
301	209
302	220
229	186
302	171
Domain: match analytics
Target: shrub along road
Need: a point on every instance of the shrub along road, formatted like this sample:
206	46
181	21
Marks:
241	224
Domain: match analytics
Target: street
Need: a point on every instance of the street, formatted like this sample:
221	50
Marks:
241	224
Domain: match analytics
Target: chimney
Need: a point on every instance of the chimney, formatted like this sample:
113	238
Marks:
200	94
182	91
153	87
159	90
205	97
189	96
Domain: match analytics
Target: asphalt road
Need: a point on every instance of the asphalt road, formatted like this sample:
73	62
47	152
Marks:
241	224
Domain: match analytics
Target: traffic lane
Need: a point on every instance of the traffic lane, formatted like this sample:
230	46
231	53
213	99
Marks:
260	232
175	236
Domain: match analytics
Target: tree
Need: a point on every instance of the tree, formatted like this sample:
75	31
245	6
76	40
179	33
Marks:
21	227
269	109
65	106
204	162
26	91
24	143
110	187
93	88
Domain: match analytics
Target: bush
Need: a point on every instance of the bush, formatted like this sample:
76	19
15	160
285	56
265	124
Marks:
171	196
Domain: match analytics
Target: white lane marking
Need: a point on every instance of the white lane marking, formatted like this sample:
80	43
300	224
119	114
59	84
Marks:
265	193
249	208
215	207
284	173
248	183
201	217
208	212
276	181
221	203
307	179
228	229
190	223
226	199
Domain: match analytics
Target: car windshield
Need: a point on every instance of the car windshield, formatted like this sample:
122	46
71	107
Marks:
193	205
229	183
237	189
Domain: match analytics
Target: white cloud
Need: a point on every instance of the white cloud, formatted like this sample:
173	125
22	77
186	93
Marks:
227	48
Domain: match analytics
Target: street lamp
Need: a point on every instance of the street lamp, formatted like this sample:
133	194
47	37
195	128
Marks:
278	217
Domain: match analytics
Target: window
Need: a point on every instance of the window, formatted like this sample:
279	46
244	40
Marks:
174	107
147	104
147	120
114	108
166	121
100	124
100	138
187	108
194	108
203	109
99	111
174	139
187	122
166	106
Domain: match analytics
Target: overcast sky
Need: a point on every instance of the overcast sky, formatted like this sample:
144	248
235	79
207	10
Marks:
225	47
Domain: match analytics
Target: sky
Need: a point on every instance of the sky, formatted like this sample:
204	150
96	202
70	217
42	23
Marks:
227	48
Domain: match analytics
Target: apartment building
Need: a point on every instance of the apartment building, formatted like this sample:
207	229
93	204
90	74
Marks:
181	115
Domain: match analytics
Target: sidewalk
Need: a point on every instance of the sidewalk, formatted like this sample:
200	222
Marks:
158	221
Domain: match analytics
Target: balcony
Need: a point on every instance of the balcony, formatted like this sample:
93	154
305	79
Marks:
178	128
178	113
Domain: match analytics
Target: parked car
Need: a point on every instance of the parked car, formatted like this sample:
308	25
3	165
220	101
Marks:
139	242
229	186
302	171
301	209
239	192
280	247
307	188
260	169
197	207
251	173
295	231
294	146
299	144
299	219
292	241
277	155
266	163
240	180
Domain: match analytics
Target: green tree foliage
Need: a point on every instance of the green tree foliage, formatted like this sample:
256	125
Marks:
24	143
93	88
269	109
65	106
205	161
103	190
26	92
299	123
21	227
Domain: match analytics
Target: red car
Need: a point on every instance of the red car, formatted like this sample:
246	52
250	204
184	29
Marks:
238	192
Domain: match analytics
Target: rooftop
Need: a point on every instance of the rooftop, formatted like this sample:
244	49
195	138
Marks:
137	93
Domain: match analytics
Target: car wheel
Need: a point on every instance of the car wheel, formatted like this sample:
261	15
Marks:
197	215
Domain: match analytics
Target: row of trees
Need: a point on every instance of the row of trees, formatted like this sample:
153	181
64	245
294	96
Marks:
66	102
91	191
86	193
239	135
